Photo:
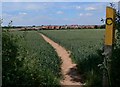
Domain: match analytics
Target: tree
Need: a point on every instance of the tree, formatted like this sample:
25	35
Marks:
96	27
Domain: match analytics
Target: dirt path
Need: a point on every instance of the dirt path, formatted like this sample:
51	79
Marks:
69	69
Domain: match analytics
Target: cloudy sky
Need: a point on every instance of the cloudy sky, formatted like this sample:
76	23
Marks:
53	13
59	0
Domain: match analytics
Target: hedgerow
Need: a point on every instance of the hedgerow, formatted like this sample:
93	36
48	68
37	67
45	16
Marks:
26	62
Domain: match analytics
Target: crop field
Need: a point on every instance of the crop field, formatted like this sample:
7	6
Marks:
41	65
84	46
80	42
29	60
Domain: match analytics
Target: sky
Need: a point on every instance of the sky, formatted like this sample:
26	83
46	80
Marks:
59	0
119	5
53	13
0	10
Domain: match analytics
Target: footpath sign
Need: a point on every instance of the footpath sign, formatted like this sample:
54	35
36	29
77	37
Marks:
108	45
110	26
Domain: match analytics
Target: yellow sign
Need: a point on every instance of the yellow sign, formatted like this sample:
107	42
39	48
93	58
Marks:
109	21
110	26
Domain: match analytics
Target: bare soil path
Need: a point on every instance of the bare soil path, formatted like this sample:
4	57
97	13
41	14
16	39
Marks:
68	68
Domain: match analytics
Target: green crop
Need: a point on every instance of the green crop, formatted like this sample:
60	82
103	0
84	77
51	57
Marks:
84	46
39	63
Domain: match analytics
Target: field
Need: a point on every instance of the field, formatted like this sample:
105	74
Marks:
40	63
80	42
27	59
84	46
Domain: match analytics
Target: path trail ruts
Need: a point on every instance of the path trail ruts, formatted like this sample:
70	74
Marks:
68	68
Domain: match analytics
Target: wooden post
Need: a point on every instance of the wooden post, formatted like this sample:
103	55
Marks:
108	45
110	26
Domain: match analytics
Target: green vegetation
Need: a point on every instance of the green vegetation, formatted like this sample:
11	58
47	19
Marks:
115	70
28	60
84	46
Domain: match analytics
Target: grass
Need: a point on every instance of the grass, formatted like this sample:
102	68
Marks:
84	46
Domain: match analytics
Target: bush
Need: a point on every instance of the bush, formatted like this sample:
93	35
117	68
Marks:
10	63
115	70
94	79
22	68
91	73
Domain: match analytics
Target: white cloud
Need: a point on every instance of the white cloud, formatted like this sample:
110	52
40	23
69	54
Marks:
88	14
85	14
24	6
0	10
60	12
90	8
22	13
78	7
21	19
81	14
34	7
